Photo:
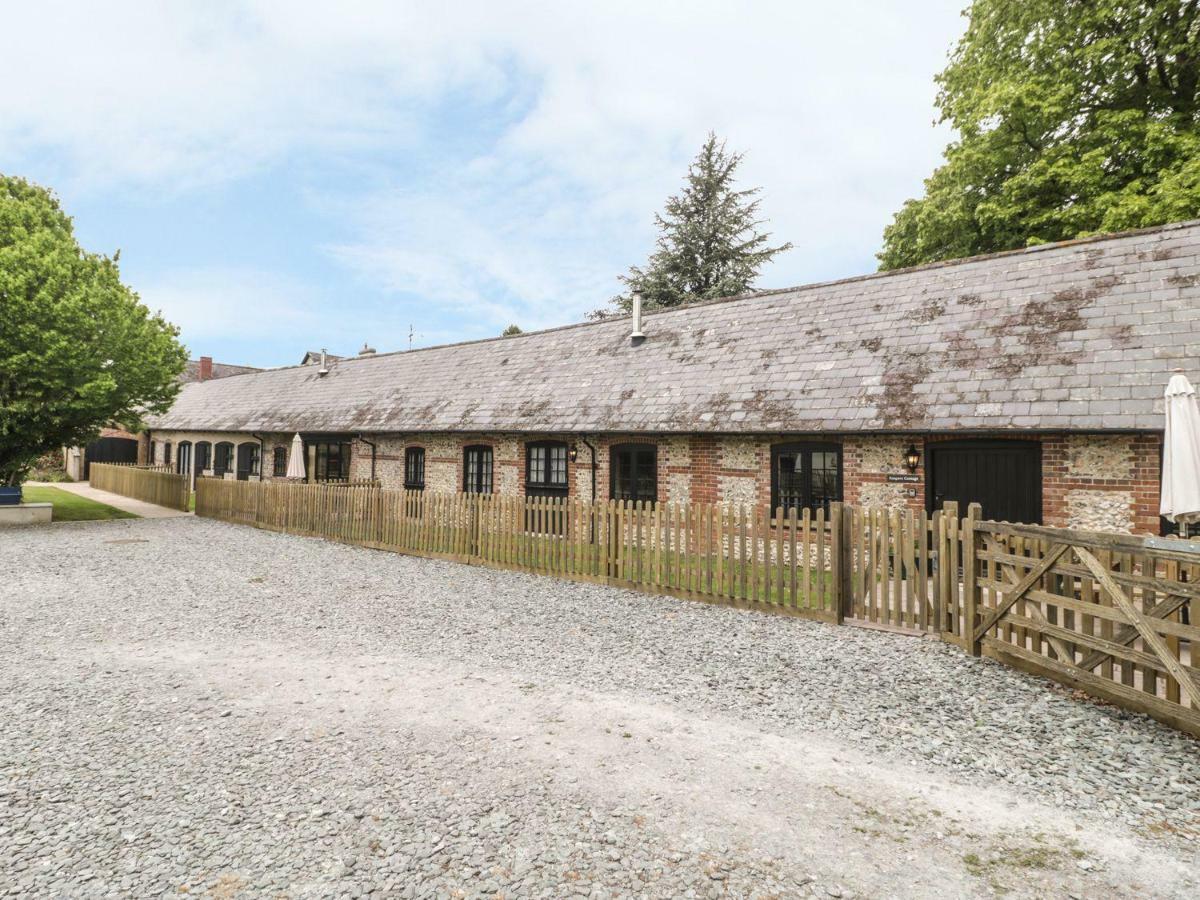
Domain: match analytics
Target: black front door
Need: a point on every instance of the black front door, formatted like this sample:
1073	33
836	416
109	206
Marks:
247	461
1004	477
109	450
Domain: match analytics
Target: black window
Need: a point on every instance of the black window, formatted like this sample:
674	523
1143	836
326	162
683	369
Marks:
279	463
634	472
414	469
477	470
806	476
167	453
203	456
153	451
546	469
333	461
222	458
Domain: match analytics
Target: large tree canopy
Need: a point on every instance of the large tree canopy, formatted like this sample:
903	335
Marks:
77	348
709	244
1074	117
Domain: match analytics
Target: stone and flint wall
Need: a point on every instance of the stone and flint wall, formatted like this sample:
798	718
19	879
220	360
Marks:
1092	481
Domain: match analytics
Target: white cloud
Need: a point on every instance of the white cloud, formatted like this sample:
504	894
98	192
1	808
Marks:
209	305
598	109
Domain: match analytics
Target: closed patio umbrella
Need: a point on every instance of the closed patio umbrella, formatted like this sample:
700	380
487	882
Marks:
295	467
1181	454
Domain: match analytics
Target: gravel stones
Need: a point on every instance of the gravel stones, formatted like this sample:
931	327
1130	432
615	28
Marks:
129	776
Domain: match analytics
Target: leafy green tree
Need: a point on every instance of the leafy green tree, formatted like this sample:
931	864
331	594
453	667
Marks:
708	244
77	349
511	330
1074	117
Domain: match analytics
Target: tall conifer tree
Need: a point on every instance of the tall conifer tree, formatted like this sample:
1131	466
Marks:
709	244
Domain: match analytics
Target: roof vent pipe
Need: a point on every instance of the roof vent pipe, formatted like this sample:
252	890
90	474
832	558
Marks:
324	370
636	337
367	350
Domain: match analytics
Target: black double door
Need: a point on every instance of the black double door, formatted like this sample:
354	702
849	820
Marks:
109	450
1004	477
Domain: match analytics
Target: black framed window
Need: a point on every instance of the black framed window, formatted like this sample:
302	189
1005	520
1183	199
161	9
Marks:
477	469
153	451
633	471
806	476
166	453
546	469
332	460
203	456
184	457
279	462
414	469
222	458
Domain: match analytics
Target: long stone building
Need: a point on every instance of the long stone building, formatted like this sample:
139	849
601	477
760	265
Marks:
1028	381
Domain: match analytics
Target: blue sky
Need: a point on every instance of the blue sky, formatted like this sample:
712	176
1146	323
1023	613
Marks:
286	176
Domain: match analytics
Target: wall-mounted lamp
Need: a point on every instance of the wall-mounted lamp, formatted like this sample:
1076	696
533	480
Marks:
912	458
573	453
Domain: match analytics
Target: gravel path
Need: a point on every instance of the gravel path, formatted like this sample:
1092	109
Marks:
197	708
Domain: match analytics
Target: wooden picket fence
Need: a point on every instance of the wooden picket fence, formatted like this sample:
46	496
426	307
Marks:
153	467
1108	614
743	555
154	484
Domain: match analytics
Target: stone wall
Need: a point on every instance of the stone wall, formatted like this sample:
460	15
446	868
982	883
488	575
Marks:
1102	482
1107	482
866	464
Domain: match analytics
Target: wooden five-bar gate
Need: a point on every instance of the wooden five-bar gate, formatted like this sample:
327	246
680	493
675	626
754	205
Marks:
1108	614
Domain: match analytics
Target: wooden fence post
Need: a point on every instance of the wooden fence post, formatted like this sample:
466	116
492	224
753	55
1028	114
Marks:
839	559
948	568
473	529
970	563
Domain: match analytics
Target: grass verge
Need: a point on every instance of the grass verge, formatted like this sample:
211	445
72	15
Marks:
70	507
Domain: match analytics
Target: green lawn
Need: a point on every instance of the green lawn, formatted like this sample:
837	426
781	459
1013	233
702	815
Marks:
71	508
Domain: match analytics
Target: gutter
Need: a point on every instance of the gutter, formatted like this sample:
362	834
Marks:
586	443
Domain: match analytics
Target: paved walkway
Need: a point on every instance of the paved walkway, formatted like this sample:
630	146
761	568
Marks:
137	507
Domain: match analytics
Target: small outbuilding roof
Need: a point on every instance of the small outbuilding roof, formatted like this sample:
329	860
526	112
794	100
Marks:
191	371
1075	336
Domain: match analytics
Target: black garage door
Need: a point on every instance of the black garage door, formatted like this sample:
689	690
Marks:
1004	477
109	449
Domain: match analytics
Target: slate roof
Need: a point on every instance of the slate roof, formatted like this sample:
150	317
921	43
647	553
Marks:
1077	336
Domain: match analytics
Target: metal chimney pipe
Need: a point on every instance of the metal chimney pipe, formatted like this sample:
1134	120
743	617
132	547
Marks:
324	370
636	337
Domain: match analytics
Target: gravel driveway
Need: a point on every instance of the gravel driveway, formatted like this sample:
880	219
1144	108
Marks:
193	708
